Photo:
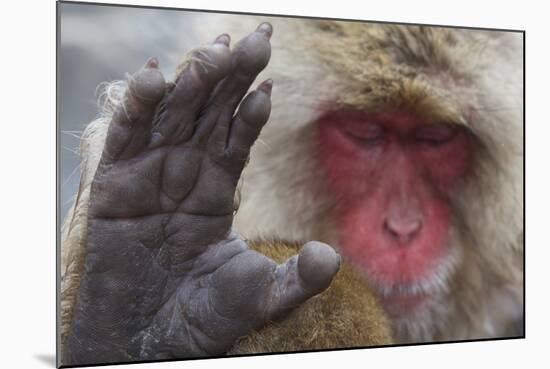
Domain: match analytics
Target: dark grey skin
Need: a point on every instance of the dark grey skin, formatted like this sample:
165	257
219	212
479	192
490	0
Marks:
165	275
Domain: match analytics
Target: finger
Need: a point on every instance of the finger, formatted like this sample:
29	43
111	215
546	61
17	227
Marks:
250	289
249	57
179	110
131	122
302	277
232	140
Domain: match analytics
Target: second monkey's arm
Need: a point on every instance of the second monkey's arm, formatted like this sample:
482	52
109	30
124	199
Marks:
165	276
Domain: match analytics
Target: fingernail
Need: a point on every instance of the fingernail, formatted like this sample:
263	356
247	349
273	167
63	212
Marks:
266	86
223	39
266	29
152	63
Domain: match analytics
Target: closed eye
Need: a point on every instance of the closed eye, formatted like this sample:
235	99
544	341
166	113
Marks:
436	134
364	133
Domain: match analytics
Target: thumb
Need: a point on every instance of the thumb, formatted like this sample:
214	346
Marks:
303	276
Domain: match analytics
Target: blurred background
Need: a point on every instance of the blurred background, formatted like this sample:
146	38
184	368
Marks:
103	43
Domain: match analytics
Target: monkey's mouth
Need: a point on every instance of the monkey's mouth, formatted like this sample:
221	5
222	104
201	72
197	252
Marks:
403	303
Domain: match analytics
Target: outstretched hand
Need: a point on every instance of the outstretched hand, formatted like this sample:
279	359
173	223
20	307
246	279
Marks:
165	276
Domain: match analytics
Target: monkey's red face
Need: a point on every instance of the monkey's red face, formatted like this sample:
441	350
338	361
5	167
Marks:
393	176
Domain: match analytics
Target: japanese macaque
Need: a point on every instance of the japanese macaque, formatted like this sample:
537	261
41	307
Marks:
399	146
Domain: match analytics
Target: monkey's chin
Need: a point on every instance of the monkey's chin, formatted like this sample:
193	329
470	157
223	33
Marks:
404	299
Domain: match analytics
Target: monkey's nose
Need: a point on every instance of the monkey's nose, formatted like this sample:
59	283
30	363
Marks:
403	230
